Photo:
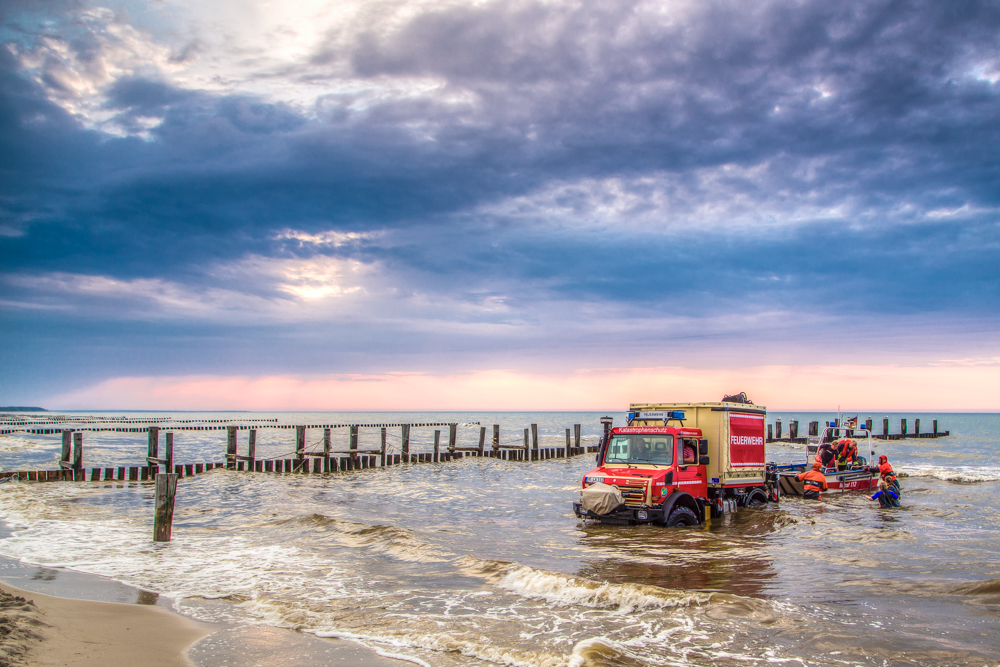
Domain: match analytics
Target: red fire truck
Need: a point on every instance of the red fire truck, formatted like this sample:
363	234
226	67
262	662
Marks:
679	464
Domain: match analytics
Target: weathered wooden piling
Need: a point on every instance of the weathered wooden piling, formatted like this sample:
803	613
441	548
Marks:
885	428
482	439
300	444
382	449
534	441
353	444
166	489
452	438
67	445
916	428
437	446
496	437
793	429
576	435
252	449
902	427
405	447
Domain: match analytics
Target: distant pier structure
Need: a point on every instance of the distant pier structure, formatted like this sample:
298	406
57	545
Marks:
776	432
240	447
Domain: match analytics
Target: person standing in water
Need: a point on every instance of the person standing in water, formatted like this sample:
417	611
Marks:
887	474
886	495
813	483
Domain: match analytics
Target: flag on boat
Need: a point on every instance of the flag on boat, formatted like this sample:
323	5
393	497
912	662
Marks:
852	422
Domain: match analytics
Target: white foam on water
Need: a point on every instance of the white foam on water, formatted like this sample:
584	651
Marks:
445	643
964	474
626	598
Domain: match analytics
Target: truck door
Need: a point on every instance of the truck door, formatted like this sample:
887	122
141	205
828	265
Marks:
690	476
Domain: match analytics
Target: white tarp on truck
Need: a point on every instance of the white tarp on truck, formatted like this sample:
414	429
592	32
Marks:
601	498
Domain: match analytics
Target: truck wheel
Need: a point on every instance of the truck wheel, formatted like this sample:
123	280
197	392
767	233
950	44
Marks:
682	516
756	499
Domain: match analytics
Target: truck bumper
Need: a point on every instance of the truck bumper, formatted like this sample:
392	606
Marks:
623	516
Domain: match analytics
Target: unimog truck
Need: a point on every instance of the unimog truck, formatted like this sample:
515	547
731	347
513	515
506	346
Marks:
679	464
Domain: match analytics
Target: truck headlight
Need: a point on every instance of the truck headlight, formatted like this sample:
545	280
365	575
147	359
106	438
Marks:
641	514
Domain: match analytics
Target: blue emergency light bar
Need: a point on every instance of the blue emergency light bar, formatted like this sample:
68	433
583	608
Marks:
666	415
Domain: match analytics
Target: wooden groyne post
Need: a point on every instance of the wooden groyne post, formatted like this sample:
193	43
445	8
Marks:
437	446
166	489
71	456
382	449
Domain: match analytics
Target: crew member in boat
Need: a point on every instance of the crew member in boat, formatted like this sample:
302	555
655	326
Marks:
846	451
813	483
886	495
826	457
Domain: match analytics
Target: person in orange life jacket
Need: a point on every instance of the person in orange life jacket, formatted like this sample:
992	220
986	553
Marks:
813	483
886	495
887	473
825	456
847	453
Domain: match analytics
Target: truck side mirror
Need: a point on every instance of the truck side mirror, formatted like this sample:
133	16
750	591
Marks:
703	446
704	461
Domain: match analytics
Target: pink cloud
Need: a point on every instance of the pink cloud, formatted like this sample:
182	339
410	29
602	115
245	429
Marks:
938	387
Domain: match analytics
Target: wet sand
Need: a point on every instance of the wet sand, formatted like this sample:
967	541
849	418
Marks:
39	629
62	631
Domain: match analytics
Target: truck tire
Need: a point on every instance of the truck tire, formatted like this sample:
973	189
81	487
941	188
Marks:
682	516
757	498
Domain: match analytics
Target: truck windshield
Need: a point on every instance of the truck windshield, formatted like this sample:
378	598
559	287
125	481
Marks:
656	449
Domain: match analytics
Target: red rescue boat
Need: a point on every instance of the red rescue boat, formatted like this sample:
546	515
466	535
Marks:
856	476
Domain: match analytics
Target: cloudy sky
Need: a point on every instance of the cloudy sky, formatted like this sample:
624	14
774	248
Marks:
506	204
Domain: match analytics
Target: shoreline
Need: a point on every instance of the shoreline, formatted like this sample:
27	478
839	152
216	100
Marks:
71	618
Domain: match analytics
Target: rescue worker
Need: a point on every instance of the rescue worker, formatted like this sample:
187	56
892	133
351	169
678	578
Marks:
886	472
825	456
813	483
886	495
847	453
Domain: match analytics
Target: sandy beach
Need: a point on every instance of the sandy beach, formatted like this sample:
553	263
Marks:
39	629
48	630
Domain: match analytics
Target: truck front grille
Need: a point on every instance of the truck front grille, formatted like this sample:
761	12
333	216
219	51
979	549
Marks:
633	495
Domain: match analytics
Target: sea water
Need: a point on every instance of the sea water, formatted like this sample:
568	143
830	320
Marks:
482	561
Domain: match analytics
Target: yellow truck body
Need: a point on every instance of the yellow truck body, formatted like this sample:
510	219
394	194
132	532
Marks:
731	462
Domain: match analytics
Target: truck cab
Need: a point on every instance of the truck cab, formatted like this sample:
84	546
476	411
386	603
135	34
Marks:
659	471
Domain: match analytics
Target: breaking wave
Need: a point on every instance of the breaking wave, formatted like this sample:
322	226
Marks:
399	543
962	475
562	589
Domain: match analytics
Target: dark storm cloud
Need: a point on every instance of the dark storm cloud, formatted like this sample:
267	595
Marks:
848	151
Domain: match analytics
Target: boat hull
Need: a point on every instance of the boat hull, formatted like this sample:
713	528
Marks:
842	481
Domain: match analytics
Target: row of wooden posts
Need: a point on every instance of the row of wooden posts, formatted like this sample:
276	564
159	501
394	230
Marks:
774	431
324	461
